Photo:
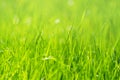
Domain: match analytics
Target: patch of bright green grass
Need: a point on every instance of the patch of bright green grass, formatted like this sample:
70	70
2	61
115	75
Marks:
59	40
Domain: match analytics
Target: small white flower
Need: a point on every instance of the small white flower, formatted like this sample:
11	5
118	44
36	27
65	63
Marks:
97	75
70	2
49	58
57	21
16	20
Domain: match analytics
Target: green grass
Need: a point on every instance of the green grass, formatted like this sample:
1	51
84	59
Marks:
59	40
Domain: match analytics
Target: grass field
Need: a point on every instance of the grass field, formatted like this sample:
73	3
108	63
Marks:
59	40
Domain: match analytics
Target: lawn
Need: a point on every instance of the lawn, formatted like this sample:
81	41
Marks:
59	40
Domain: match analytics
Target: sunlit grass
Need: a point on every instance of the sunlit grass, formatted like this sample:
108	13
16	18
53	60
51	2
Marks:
59	40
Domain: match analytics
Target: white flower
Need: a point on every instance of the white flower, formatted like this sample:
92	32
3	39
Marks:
70	2
97	75
49	58
57	21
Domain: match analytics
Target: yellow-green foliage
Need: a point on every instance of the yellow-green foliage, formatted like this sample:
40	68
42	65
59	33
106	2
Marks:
59	39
